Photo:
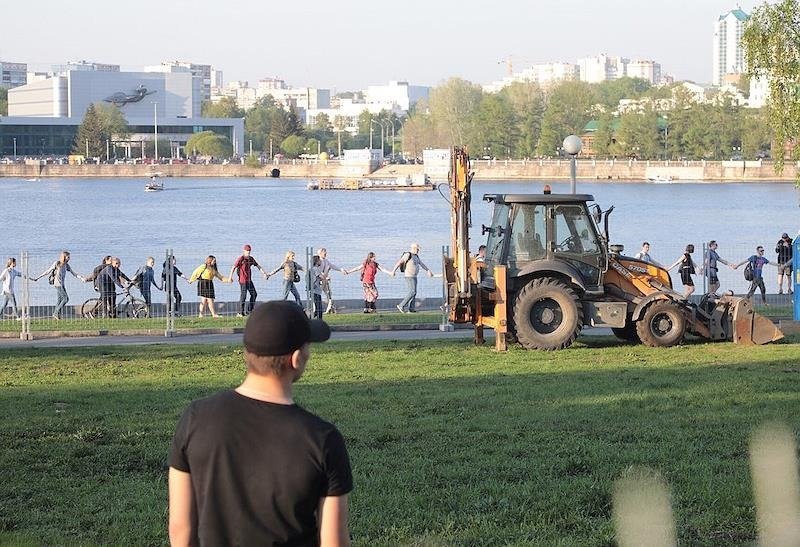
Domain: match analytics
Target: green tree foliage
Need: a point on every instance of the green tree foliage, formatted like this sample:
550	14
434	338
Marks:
224	108
638	135
293	146
771	41
3	101
101	124
453	105
604	139
494	131
610	92
568	110
527	101
208	143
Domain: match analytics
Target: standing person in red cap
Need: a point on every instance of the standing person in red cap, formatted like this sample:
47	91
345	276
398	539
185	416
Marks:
250	467
244	265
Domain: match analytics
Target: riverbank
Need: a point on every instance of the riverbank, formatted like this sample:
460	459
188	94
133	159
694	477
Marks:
493	170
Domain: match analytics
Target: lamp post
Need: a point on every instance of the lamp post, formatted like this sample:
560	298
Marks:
15	149
572	145
155	130
380	123
251	147
666	136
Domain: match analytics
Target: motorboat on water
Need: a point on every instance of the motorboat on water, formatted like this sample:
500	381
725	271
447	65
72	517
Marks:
661	178
154	185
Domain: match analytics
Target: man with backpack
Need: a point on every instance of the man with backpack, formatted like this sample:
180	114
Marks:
144	278
754	272
244	265
410	265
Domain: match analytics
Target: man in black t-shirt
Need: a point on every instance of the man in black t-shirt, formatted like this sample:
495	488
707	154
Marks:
248	466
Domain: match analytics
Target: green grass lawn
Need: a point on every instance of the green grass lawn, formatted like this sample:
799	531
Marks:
450	444
224	321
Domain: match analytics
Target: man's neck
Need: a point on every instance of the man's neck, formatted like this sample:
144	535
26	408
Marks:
271	389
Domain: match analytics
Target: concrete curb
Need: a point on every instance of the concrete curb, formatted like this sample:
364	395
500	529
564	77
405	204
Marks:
220	330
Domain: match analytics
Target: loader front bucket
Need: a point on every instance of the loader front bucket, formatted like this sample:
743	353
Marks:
749	327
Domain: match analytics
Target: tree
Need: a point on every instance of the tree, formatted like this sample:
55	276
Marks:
452	107
604	136
293	145
281	125
224	108
494	131
3	101
527	102
101	124
771	41
610	92
568	110
208	143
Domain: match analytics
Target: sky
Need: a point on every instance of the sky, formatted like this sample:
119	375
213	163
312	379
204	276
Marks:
349	44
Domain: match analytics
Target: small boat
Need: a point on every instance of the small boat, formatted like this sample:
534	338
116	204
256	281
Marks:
661	178
154	185
33	180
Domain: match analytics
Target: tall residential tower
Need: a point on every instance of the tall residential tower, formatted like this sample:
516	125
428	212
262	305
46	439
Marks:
728	51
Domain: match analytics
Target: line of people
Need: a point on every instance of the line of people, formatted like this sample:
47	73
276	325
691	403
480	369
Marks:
108	276
754	270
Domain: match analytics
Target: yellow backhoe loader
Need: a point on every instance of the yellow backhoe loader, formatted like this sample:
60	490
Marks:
549	271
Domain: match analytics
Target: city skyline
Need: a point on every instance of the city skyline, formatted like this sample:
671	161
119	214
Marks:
347	49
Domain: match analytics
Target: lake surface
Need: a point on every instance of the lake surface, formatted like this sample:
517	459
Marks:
197	217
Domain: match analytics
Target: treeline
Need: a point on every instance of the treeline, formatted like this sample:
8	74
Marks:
525	121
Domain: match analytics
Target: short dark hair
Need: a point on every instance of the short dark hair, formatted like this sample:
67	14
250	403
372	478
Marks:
712	242
690	248
481	248
645	243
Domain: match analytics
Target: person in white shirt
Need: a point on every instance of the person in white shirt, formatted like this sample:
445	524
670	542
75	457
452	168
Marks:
326	266
7	277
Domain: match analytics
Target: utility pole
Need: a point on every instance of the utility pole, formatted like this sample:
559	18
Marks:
155	128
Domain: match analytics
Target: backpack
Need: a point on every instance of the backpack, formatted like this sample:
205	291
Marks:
52	277
404	260
748	271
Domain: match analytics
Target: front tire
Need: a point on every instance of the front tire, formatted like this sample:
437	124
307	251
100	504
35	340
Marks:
90	309
137	308
547	315
663	325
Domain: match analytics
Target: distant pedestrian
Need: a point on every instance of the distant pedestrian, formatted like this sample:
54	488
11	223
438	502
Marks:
710	266
410	264
97	269
108	280
291	276
687	269
7	277
249	466
144	278
315	284
243	266
785	251
757	263
171	284
57	276
369	269
205	275
644	254
481	256
327	267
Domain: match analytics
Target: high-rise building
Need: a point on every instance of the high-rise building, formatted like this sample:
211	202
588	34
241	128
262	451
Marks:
601	68
13	74
728	51
646	70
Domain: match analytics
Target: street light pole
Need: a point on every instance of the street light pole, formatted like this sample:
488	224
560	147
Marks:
155	129
251	147
15	149
572	146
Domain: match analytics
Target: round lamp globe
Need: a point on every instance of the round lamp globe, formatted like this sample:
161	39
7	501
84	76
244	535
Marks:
572	145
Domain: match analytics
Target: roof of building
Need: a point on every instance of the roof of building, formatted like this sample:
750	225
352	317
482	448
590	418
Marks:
738	13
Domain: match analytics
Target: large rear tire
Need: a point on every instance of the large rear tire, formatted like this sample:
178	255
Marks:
663	324
547	315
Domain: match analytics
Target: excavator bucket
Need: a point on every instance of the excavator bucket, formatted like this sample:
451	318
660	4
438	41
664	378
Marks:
747	326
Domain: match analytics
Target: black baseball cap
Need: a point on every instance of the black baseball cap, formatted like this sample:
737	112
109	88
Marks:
280	327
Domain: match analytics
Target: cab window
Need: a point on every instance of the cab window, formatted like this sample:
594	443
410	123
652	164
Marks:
528	229
573	232
497	235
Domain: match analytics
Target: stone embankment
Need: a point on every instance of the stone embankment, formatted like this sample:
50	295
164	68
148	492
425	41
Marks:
612	170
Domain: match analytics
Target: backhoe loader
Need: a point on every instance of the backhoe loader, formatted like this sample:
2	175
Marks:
550	271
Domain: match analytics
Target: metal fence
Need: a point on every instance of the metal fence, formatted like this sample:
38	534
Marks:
176	305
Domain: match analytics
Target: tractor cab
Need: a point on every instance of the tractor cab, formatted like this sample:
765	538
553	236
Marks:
534	233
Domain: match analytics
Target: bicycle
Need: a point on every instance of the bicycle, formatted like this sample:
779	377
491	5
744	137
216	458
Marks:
130	306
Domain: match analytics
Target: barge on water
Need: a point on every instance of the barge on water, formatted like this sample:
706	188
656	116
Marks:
417	183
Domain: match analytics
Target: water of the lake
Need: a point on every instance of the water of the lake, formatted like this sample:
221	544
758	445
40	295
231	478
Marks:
196	217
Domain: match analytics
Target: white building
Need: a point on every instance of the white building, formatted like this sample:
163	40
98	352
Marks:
397	97
13	74
759	92
728	51
544	74
202	73
644	69
601	68
44	115
90	66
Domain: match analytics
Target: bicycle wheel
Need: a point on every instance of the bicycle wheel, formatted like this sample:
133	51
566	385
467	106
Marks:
136	308
91	308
